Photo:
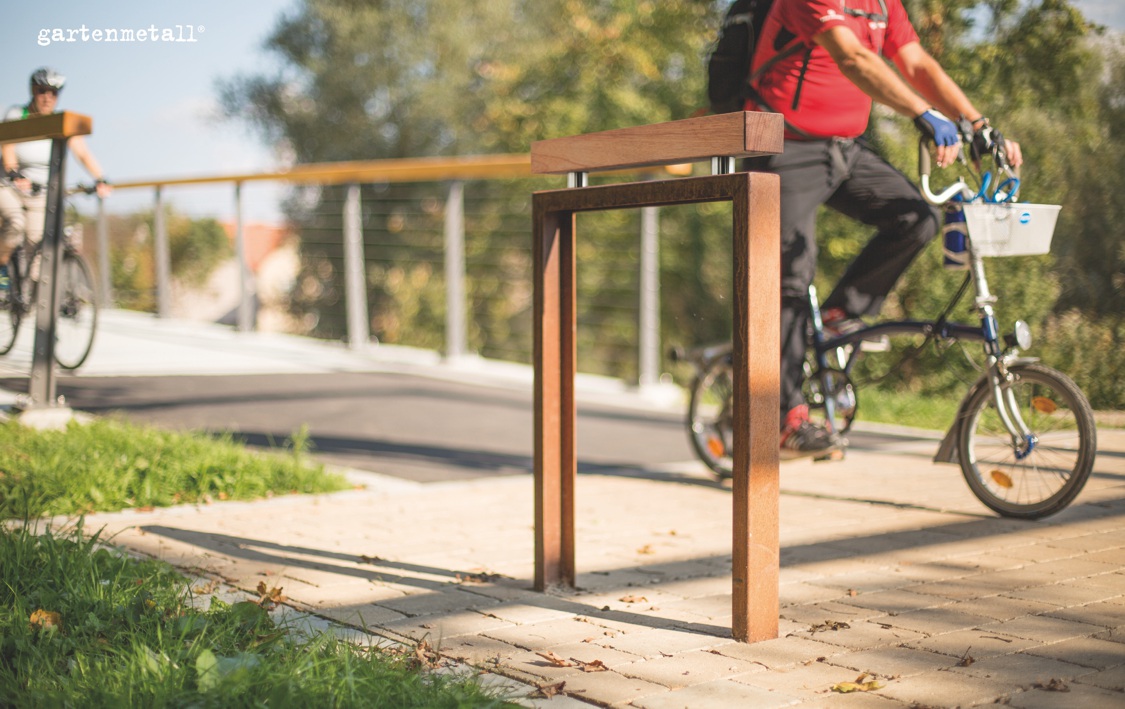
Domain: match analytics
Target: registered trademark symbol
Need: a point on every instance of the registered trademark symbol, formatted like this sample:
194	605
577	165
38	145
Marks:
201	28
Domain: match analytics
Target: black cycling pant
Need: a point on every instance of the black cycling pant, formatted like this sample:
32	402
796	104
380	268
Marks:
849	177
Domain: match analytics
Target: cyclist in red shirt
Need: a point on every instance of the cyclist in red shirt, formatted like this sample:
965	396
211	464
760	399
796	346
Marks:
821	63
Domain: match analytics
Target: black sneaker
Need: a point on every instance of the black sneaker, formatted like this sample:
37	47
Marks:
802	438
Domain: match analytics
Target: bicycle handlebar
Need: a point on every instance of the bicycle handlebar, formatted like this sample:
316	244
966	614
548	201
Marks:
960	188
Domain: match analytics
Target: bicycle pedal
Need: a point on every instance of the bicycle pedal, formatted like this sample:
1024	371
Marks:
879	344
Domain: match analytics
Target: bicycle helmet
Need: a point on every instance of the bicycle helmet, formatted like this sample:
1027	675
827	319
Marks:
48	77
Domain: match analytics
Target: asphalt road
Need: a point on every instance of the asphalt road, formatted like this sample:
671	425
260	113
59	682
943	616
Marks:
407	426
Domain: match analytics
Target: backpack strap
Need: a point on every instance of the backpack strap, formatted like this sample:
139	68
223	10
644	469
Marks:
792	48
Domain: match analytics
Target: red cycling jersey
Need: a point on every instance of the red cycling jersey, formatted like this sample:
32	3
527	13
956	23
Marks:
829	104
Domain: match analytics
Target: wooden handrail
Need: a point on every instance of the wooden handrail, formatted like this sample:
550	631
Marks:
741	134
56	125
396	170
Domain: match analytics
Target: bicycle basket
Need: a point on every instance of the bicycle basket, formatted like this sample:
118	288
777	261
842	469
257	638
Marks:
1011	229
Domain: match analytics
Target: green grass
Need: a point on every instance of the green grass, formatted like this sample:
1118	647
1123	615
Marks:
906	408
110	465
82	625
87	627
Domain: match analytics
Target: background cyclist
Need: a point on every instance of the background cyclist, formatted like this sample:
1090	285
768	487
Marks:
825	92
23	194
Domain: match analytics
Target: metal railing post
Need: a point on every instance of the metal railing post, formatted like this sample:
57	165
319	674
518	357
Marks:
245	284
105	275
456	343
648	340
163	259
355	280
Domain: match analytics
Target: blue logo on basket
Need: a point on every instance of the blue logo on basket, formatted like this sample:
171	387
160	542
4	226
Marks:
1025	217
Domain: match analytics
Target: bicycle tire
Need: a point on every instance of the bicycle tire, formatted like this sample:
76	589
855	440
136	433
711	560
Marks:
1055	470
77	312
710	421
9	323
11	310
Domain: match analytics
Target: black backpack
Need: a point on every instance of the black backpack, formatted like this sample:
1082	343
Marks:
728	68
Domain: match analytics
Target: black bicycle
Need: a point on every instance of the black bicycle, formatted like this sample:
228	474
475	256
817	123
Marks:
77	307
1024	433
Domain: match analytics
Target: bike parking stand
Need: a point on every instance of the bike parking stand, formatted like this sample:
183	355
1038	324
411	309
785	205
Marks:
42	407
756	348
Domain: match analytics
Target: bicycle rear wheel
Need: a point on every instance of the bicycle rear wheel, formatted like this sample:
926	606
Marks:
78	312
1044	479
711	416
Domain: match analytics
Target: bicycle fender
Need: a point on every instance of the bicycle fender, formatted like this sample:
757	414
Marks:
947	449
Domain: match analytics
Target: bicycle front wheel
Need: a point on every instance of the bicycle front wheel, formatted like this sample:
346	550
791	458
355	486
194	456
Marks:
78	313
1040	479
711	416
9	321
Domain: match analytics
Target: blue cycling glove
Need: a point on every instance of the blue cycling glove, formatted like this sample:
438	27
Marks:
935	126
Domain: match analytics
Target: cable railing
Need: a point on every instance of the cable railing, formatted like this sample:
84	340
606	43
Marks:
427	252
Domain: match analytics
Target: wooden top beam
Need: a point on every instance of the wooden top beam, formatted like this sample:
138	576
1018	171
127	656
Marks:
56	125
740	134
363	171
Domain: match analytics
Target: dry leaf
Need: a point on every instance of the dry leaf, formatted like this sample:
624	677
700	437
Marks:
852	592
646	549
547	691
595	666
848	687
633	599
425	656
268	597
555	659
1055	685
369	559
966	659
42	620
830	625
1002	479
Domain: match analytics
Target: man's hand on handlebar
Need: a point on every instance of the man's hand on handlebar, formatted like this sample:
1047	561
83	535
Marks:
934	125
986	139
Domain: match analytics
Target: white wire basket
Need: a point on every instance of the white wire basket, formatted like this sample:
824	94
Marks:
1011	229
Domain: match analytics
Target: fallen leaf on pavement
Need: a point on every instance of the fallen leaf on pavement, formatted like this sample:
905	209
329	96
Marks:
555	659
595	666
848	687
549	690
646	549
1055	685
829	625
268	597
633	599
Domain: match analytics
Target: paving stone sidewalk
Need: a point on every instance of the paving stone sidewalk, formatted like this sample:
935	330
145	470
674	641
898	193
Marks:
891	572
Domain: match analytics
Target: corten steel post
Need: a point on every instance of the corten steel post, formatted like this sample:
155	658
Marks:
756	288
756	349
